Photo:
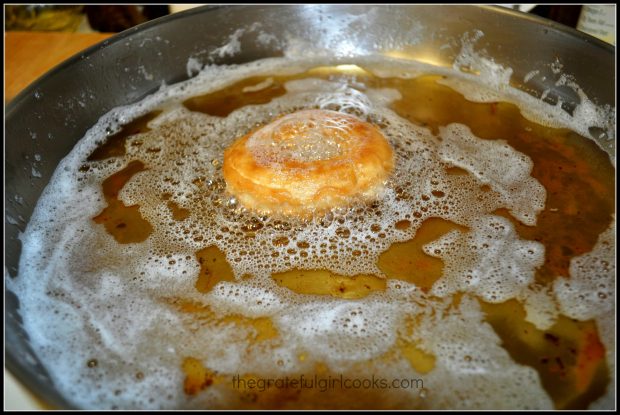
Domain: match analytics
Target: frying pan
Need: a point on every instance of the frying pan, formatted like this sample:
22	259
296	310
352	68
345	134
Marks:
52	114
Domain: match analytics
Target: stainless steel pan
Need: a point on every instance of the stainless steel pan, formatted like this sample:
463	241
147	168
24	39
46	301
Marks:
53	113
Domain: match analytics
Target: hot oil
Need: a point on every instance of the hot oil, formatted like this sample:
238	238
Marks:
576	173
114	145
323	282
213	268
408	262
178	213
569	356
124	223
223	102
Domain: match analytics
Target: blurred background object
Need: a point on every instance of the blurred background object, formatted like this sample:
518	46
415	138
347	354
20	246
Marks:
599	20
567	14
43	18
107	18
116	18
175	8
519	7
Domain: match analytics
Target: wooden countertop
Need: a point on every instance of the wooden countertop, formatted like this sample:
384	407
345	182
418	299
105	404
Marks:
28	55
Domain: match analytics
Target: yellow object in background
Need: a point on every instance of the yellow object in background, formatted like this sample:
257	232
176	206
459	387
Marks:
17	397
175	8
44	18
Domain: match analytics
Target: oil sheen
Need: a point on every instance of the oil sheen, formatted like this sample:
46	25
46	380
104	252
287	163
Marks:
484	267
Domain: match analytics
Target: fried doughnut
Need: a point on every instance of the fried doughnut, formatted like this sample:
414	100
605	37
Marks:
307	161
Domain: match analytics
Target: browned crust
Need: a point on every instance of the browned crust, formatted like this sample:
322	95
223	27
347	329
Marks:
298	187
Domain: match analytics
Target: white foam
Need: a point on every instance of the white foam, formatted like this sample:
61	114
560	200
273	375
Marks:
481	79
347	331
303	136
232	47
495	76
590	290
498	165
540	306
496	263
110	297
471	361
584	116
590	293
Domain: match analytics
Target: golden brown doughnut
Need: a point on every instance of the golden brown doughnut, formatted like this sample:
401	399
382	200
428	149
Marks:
307	161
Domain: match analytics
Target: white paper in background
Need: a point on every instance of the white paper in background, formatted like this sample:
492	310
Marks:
519	7
599	21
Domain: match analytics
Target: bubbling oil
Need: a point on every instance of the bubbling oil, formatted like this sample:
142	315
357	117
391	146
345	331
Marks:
450	276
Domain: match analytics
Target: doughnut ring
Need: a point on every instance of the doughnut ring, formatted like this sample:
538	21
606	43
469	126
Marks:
307	162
